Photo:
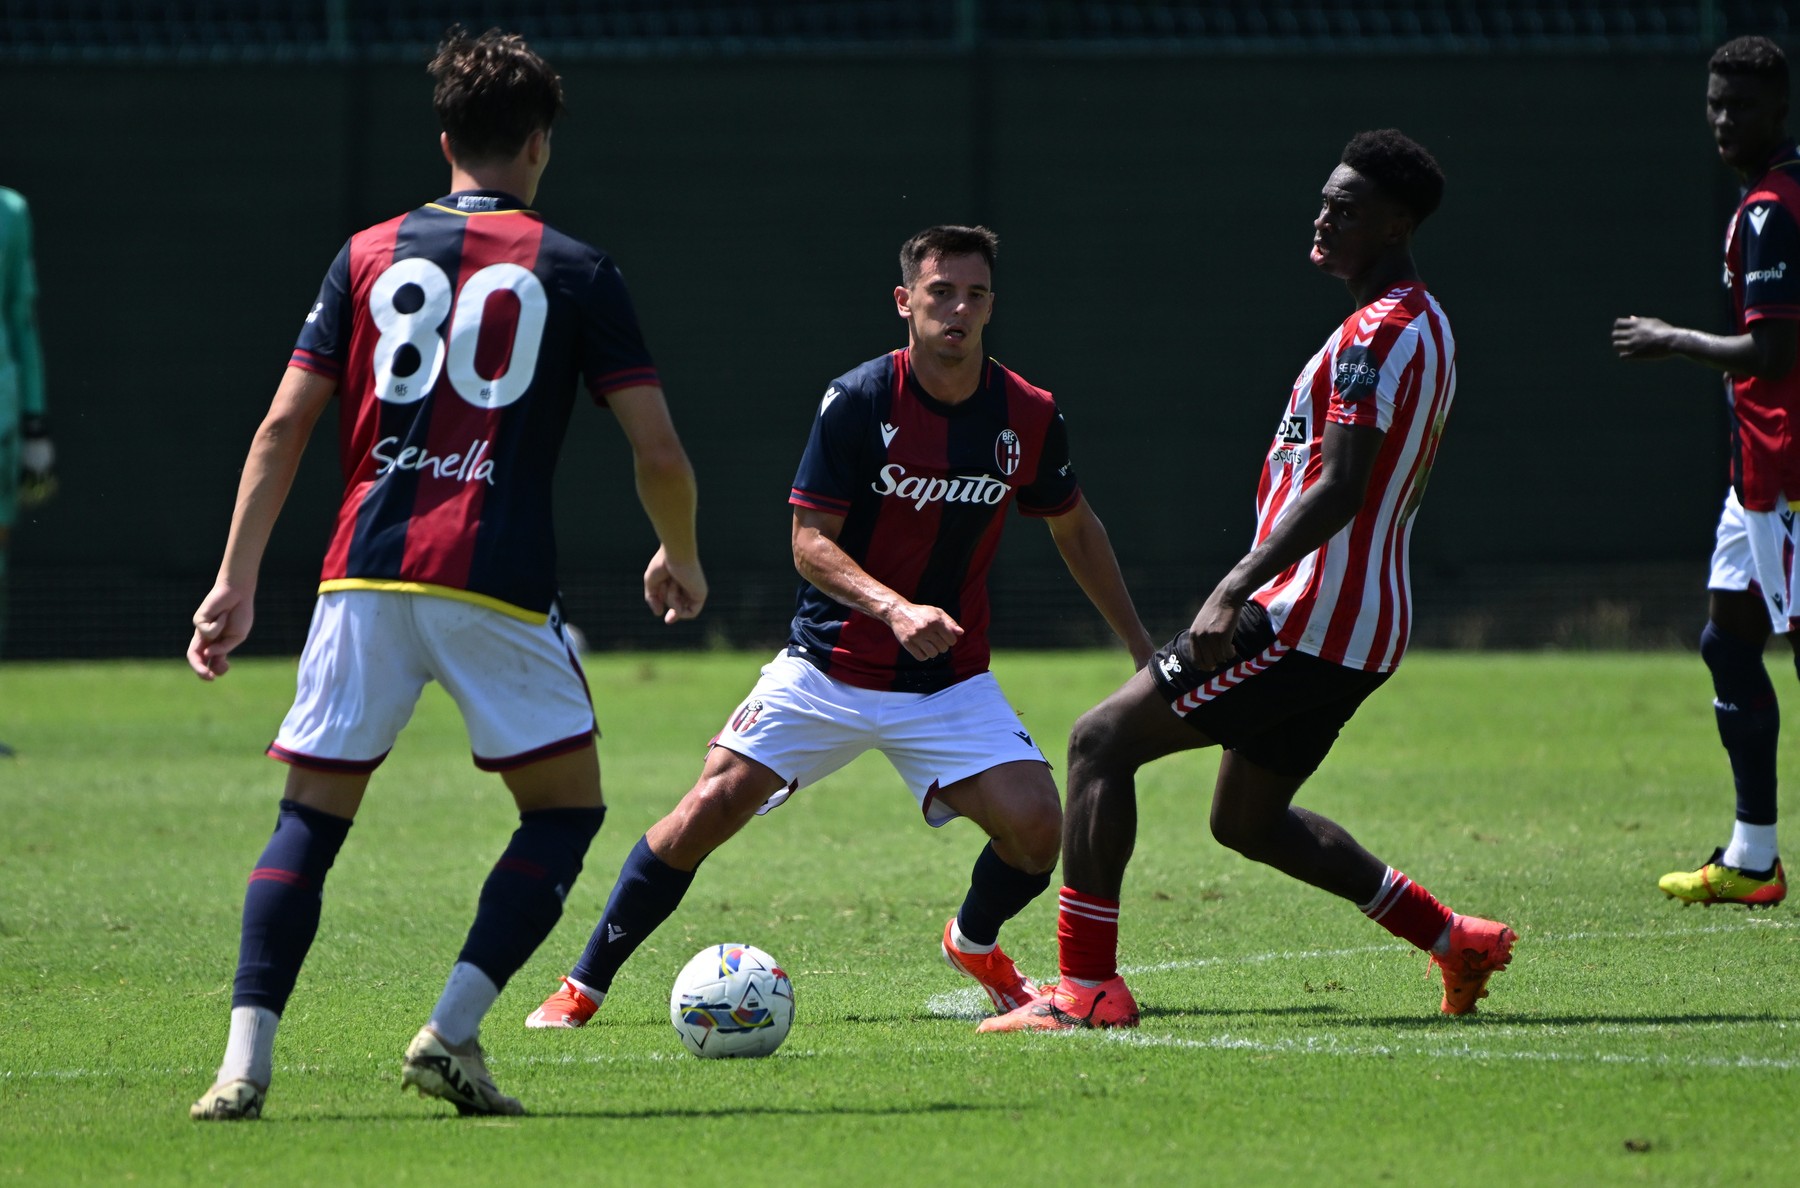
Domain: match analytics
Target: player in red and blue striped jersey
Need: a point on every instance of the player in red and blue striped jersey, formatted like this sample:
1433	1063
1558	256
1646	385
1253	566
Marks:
898	505
1309	623
455	339
929	519
1753	580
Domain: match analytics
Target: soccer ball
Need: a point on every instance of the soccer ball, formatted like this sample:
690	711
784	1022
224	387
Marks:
731	1000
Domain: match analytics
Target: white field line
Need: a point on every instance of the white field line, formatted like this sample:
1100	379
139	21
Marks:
1331	1045
972	1004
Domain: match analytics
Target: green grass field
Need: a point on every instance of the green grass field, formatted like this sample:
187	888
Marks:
1632	1041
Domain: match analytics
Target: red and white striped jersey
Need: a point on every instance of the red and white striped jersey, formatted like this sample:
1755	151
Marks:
1392	365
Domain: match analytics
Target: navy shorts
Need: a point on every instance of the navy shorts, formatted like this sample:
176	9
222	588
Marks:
1277	707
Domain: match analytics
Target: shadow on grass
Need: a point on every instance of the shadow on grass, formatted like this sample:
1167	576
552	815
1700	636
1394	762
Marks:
1199	1012
1439	1022
629	1115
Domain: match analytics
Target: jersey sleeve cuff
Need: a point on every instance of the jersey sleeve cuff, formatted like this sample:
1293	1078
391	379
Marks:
1344	415
1781	312
603	386
316	363
818	502
1060	509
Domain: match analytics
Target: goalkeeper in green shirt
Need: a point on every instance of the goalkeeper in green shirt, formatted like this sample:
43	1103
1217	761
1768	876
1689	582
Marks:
26	456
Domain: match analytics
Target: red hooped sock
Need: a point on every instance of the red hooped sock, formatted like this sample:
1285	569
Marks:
1407	910
1087	936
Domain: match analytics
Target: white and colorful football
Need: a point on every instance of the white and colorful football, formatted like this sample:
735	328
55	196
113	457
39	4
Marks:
732	1000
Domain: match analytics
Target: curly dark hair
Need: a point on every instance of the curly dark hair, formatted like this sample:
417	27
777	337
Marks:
492	93
1757	57
946	240
1400	167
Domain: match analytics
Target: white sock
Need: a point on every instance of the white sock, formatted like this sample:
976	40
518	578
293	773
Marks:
467	996
250	1050
598	996
963	944
1752	847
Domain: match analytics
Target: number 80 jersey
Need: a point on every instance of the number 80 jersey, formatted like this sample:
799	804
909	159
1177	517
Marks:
458	334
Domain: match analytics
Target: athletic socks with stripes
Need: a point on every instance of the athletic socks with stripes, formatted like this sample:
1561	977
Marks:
282	903
1087	937
523	897
281	917
1408	911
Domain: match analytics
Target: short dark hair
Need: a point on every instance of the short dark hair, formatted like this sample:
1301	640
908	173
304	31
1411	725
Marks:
1756	57
946	240
1400	167
492	93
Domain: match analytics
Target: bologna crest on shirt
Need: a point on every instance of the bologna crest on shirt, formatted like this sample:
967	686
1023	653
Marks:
1006	451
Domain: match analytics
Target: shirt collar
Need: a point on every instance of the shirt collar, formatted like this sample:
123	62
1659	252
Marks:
479	202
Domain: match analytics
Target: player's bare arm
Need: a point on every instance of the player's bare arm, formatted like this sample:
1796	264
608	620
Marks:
1768	351
924	631
1087	550
225	614
1347	456
674	584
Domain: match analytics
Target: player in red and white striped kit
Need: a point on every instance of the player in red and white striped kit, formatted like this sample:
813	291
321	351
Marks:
1307	625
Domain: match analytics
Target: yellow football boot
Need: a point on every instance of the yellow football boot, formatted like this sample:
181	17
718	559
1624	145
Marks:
1717	883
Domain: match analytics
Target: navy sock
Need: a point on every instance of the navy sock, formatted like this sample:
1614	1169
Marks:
1749	720
523	896
997	893
647	893
282	902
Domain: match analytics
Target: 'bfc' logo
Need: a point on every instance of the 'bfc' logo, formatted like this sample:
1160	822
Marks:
1006	451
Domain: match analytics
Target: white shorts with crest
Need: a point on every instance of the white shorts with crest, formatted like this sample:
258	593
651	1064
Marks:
803	726
1755	550
369	653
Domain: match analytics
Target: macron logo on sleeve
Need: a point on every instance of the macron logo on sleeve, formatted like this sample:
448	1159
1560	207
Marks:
1758	216
831	393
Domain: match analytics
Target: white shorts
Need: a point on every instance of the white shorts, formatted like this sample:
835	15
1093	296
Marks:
369	653
803	726
1755	550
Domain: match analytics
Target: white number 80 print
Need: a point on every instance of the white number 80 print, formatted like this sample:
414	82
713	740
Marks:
418	329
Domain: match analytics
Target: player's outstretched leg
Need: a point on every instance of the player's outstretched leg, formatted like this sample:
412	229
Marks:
1253	814
1748	869
281	917
656	875
1108	745
1016	805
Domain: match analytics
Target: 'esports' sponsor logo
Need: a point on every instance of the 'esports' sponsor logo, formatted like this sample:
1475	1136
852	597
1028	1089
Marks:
470	466
962	488
1292	431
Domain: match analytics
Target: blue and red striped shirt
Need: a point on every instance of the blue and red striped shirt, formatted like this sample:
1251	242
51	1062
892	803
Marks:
458	334
923	487
1762	276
